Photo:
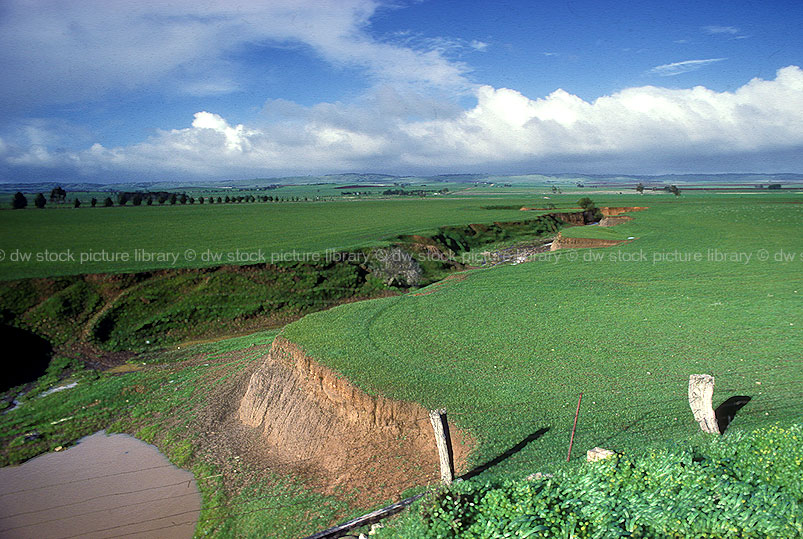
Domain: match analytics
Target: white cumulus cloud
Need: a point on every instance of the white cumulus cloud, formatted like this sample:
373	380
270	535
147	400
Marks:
650	127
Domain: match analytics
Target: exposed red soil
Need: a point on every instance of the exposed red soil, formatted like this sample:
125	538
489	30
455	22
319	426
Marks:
572	218
562	242
316	421
611	211
609	219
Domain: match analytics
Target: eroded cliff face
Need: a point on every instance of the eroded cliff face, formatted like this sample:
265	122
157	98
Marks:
611	211
562	242
315	419
613	221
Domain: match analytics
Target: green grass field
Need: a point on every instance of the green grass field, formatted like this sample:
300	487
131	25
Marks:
712	283
508	350
114	239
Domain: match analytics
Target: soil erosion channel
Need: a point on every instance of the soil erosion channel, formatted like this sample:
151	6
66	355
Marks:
307	414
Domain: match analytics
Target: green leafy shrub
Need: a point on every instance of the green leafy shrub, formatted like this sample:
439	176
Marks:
746	485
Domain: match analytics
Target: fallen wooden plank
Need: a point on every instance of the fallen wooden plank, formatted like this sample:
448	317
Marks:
369	518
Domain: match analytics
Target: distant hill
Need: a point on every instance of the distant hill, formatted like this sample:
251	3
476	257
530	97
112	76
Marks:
588	180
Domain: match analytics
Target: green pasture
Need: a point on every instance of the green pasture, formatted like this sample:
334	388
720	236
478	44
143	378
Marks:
712	284
125	239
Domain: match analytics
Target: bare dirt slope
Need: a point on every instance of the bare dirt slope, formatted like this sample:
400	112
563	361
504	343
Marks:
613	211
562	242
318	421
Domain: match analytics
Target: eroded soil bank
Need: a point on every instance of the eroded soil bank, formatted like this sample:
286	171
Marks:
323	424
613	211
613	221
562	242
108	318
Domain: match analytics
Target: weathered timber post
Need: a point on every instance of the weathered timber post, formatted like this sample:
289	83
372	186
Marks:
574	428
444	442
701	392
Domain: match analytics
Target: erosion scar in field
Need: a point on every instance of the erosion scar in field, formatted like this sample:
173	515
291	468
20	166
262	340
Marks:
311	415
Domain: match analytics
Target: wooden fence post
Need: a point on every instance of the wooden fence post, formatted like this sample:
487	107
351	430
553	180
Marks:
574	428
701	392
441	427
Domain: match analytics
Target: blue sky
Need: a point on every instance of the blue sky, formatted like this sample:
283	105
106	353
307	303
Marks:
150	90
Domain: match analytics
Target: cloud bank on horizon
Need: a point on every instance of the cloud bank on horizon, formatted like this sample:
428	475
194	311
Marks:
382	95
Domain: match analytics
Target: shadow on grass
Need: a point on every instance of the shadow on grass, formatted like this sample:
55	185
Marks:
28	358
726	411
506	455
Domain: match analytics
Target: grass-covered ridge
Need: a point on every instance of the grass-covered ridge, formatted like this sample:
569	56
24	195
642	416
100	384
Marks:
144	311
743	485
507	350
192	236
135	312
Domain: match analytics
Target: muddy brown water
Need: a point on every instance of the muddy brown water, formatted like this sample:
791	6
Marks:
105	486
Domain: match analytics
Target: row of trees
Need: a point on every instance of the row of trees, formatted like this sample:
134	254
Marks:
137	199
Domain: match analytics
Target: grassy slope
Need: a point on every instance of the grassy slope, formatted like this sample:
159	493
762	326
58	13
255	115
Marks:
508	350
168	403
490	338
274	228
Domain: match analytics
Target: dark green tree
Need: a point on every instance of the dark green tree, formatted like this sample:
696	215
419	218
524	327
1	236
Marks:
122	199
93	202
586	203
589	207
76	203
108	202
173	199
40	201
58	195
674	190
183	198
136	200
640	188
19	201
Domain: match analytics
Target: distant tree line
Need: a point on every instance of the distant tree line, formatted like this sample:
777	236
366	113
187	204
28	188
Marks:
149	198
